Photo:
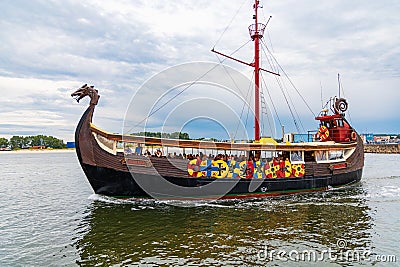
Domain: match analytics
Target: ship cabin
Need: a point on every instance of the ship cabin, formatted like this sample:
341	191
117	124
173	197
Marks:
207	158
335	128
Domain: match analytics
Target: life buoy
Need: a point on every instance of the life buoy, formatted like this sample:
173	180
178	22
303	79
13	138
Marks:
353	136
323	133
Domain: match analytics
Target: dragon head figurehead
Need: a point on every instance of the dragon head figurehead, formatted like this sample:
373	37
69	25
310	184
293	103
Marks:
86	90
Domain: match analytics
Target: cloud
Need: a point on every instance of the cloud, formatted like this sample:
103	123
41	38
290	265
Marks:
49	48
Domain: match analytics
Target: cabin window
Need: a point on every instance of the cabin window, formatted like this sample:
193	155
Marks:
348	152
296	156
320	155
335	154
120	145
175	153
106	142
128	149
133	149
328	124
309	156
339	123
329	155
267	155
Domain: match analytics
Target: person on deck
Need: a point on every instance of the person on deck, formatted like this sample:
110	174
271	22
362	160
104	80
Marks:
158	153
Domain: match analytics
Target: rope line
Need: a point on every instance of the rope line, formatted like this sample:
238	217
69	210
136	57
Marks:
272	102
230	23
244	105
287	76
172	98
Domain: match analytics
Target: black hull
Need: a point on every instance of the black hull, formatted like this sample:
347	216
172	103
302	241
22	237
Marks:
119	184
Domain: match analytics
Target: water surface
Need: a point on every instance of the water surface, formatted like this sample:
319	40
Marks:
50	216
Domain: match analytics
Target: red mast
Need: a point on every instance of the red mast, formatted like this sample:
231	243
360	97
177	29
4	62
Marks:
256	31
256	36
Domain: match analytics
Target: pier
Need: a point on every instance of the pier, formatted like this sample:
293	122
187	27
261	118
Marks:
382	148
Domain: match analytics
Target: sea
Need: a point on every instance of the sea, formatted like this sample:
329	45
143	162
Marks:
49	216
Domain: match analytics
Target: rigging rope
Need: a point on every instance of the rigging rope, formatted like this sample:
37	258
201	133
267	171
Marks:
272	102
187	87
230	23
287	76
248	111
287	103
283	88
172	98
294	107
244	104
275	67
264	101
230	76
341	87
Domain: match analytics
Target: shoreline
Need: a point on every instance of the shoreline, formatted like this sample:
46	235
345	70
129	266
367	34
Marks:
25	151
368	148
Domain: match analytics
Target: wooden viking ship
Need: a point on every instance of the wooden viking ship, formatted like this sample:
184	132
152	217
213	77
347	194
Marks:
122	165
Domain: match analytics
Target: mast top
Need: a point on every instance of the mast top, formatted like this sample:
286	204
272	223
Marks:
257	31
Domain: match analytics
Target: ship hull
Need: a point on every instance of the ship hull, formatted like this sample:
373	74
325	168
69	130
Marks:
119	184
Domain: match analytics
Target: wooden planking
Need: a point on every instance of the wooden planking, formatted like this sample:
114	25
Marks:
170	167
107	160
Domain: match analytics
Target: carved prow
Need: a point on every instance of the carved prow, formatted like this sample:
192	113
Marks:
86	90
83	134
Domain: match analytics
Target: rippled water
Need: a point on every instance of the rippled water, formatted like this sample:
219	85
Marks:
50	216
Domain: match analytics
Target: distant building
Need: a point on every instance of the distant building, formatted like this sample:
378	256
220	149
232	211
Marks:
70	144
38	147
298	138
367	138
382	139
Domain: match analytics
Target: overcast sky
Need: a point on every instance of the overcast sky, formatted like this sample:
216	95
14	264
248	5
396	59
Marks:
50	48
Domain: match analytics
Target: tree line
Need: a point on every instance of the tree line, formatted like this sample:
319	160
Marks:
174	135
19	142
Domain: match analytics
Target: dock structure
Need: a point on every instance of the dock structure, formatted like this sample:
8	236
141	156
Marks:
382	148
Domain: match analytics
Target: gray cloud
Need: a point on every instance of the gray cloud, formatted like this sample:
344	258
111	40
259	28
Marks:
49	48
